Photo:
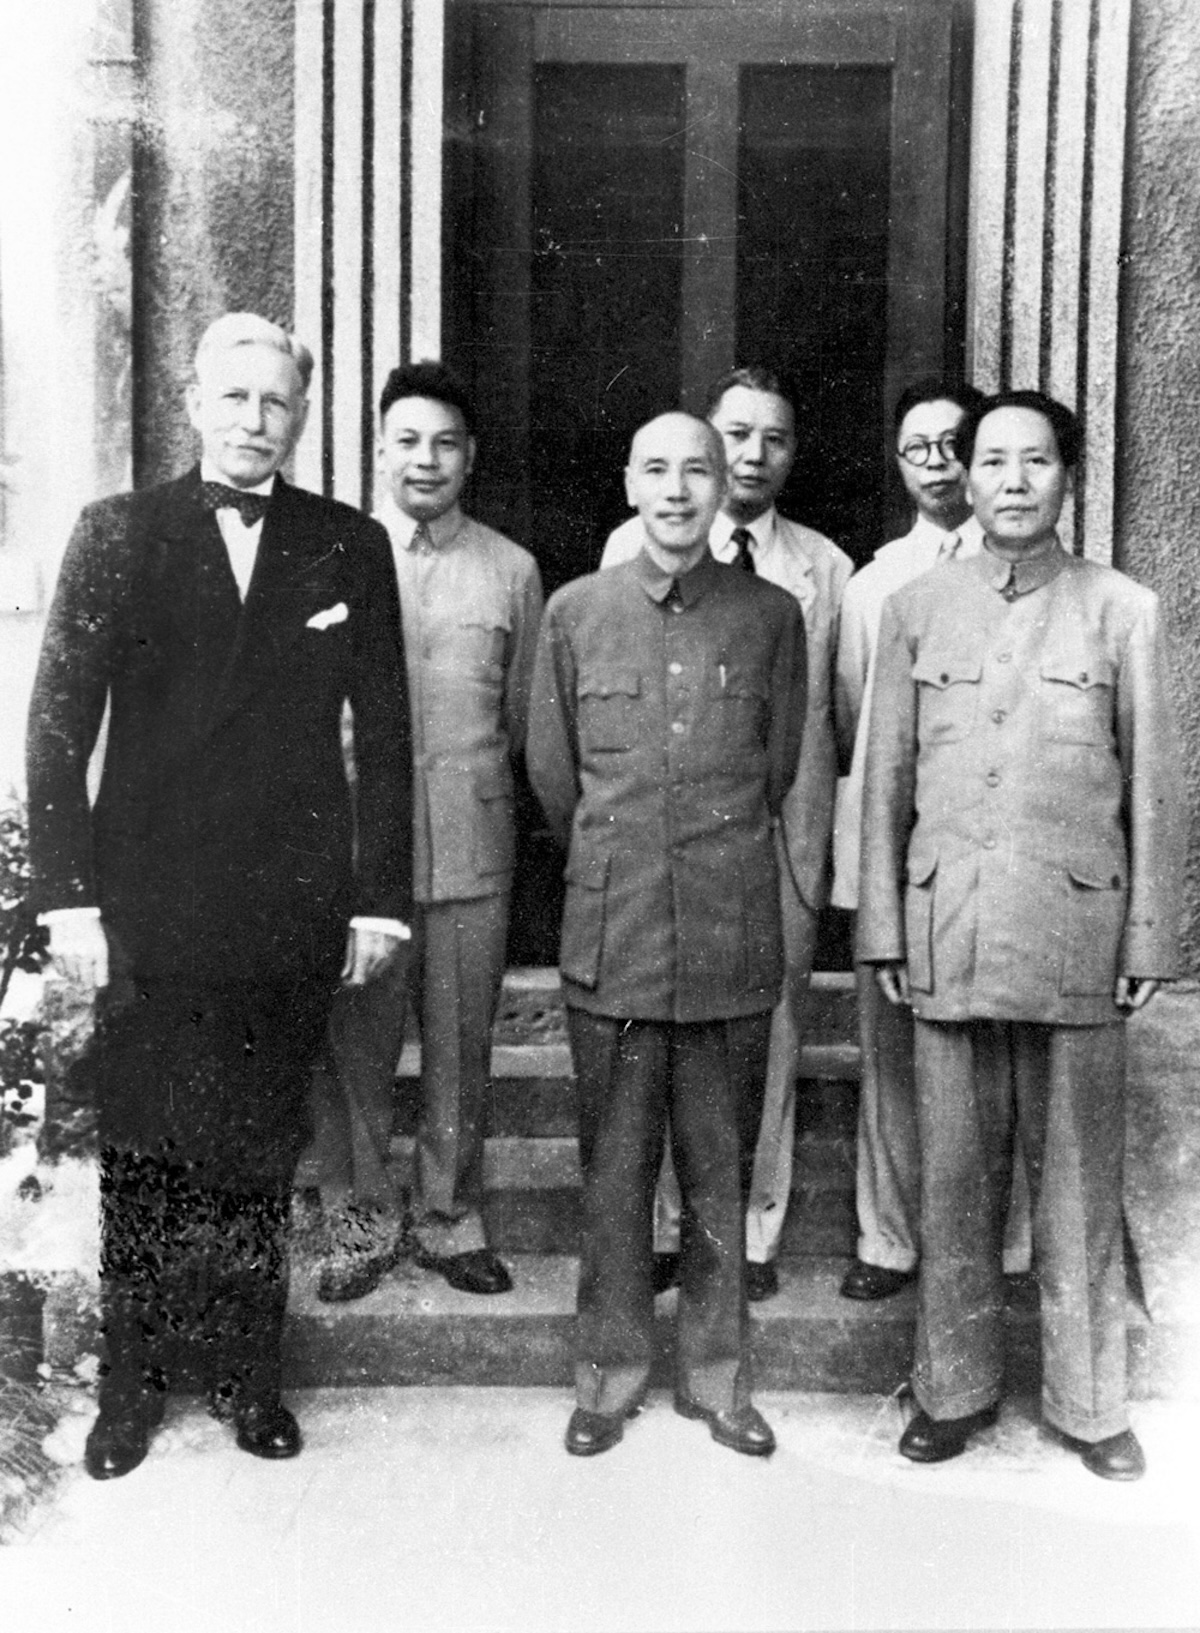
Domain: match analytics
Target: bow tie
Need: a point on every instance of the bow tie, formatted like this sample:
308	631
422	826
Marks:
251	507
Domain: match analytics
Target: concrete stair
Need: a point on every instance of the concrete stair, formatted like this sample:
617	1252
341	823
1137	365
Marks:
416	1329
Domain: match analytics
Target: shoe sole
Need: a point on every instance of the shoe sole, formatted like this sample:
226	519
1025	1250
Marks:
988	1420
697	1414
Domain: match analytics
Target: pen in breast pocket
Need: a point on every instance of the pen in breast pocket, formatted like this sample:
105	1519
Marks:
721	672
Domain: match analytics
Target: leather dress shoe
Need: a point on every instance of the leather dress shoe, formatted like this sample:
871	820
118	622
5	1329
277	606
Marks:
120	1439
479	1271
267	1429
762	1281
590	1433
872	1281
353	1276
664	1273
936	1440
741	1428
1119	1457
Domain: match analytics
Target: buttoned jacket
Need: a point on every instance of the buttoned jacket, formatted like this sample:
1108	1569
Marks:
222	845
812	569
891	567
662	741
1024	811
471	606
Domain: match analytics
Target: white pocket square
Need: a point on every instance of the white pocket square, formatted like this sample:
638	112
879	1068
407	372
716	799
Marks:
331	615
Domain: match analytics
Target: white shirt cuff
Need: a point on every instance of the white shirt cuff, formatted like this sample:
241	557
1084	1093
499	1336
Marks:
61	915
387	927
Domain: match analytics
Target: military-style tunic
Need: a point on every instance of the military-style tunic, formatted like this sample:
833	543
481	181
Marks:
662	740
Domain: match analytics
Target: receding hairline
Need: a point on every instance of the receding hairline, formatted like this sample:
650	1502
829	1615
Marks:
711	435
236	329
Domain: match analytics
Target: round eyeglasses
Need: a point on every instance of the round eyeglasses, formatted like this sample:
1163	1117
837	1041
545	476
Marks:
917	451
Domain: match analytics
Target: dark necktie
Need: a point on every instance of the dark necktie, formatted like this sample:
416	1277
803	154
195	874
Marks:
743	538
251	507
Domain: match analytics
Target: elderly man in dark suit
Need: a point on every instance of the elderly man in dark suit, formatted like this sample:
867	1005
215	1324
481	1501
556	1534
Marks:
209	896
1022	864
665	728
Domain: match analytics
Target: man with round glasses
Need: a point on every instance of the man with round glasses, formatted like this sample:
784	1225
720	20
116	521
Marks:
927	419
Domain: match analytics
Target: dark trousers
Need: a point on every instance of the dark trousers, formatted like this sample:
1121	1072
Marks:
707	1080
184	1264
1061	1090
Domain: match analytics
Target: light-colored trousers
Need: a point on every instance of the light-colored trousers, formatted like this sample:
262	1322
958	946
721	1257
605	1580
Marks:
453	976
1056	1094
888	1162
771	1184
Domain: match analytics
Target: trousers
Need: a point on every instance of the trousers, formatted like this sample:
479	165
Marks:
771	1183
452	981
1058	1092
633	1078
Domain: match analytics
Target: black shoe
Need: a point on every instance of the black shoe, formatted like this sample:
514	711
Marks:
590	1433
267	1429
479	1271
936	1440
664	1273
871	1281
741	1428
762	1281
347	1276
1119	1457
119	1440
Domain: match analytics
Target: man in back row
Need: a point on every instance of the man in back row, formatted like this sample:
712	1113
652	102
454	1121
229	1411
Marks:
755	409
471	601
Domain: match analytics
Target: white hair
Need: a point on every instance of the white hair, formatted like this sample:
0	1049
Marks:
248	329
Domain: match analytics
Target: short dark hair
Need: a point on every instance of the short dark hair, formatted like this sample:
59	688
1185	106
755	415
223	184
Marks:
755	377
931	389
1068	433
427	379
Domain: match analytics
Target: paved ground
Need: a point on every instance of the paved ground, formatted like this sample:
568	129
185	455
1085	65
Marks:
454	1510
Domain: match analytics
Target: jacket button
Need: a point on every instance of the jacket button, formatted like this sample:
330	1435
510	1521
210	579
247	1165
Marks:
945	679
989	843
1083	678
1004	657
999	716
675	669
993	779
1116	881
677	726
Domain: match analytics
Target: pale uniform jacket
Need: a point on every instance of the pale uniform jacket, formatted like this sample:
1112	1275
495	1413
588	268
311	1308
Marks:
892	566
812	569
662	739
470	608
1024	817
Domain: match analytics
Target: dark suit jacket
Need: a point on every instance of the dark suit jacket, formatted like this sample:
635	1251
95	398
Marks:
220	846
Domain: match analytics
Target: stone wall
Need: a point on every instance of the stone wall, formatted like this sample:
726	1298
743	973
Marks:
1158	447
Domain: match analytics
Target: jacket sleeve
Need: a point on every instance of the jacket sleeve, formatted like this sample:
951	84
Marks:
850	675
889	793
552	747
382	738
789	699
1156	805
527	615
67	707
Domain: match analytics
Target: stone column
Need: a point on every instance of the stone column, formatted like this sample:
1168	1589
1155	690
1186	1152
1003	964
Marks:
1047	163
368	209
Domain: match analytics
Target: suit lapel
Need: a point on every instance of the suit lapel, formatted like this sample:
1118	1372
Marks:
291	564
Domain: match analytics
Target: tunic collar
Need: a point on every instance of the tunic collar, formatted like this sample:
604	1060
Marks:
442	531
692	585
1016	578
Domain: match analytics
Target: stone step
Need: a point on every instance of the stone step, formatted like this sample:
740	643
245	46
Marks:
415	1329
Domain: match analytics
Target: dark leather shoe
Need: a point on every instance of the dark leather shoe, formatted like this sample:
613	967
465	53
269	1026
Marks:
344	1279
479	1271
871	1281
936	1440
741	1428
762	1281
665	1272
118	1442
267	1429
1120	1457
590	1433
